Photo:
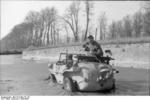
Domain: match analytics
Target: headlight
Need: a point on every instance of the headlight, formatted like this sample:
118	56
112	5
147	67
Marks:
115	71
104	74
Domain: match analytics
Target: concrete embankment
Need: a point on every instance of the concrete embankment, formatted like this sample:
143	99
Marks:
126	54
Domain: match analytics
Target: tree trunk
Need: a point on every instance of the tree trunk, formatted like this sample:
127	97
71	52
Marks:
87	25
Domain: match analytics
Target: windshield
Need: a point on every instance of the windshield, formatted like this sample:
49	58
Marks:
87	58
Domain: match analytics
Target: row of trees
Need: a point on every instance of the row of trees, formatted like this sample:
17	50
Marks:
47	27
130	26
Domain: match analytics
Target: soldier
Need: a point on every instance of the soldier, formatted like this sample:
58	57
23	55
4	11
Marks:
93	47
69	61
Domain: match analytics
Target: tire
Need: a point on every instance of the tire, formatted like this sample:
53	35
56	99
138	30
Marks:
69	85
113	86
53	79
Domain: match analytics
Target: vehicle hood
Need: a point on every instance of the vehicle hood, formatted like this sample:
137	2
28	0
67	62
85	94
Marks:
93	66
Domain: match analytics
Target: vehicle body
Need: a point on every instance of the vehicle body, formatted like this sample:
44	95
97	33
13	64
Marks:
87	73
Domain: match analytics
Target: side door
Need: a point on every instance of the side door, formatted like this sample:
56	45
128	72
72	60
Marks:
60	66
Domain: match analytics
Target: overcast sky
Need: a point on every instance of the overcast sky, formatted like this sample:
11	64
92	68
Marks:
14	12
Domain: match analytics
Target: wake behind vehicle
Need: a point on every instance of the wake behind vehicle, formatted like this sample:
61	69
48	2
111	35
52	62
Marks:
83	73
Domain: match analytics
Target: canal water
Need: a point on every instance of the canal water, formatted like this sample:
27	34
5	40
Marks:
29	77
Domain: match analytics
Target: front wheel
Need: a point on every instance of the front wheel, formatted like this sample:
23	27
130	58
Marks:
52	77
113	86
69	85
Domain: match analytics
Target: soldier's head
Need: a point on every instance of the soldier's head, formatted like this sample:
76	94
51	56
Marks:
90	38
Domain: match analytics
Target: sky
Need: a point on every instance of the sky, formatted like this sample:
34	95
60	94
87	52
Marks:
14	12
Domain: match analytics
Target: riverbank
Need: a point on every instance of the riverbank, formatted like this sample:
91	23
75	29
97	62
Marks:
126	55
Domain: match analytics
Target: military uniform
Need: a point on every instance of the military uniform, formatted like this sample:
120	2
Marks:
94	48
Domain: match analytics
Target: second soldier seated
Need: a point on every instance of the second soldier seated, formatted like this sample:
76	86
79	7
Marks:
69	62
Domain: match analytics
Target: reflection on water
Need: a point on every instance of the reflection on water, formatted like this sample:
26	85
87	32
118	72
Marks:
17	59
10	59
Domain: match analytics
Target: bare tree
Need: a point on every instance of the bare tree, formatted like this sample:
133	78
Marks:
18	37
127	26
113	30
67	32
95	33
146	7
119	29
51	21
33	17
102	25
137	23
72	18
45	30
88	9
